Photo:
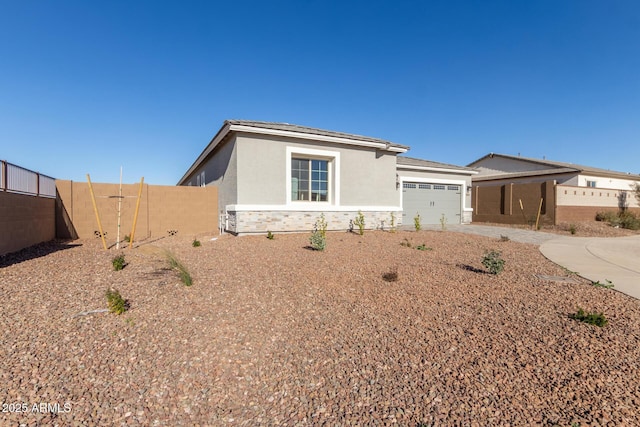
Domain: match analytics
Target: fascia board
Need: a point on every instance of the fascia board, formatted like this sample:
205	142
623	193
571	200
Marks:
309	136
212	145
434	169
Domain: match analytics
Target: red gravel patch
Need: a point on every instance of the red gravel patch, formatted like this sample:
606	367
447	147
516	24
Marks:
272	333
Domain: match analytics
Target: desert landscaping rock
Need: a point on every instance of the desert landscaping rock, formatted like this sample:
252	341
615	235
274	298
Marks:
272	333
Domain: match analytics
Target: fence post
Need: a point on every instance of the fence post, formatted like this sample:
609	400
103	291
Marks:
4	175
37	184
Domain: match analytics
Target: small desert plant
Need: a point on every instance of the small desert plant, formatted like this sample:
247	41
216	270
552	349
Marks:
416	222
393	223
572	228
321	226
127	238
195	243
318	241
629	220
443	222
607	216
391	275
359	222
118	262
270	235
423	247
116	303
607	285
594	318
493	262
504	238
183	272
623	219
406	243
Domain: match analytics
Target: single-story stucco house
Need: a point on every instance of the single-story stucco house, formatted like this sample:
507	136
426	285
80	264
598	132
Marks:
282	177
569	192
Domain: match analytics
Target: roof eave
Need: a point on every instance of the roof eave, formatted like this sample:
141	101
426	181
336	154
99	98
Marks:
436	169
315	137
220	136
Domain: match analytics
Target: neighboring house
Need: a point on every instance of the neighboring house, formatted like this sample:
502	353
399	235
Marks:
282	177
569	192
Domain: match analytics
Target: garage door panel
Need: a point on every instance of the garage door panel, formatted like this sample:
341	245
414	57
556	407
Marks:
431	201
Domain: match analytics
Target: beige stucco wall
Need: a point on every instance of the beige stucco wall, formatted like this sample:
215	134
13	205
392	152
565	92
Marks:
598	197
365	177
25	220
493	165
221	170
604	182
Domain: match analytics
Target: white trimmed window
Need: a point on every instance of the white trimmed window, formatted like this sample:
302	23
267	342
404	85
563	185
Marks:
591	184
312	176
309	180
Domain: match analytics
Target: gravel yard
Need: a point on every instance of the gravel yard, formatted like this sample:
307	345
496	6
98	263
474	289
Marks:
272	333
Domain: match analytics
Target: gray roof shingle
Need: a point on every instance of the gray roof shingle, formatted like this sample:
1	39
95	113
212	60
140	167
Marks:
412	161
312	131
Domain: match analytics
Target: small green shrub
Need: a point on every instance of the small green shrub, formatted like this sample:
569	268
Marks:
318	241
443	222
623	219
629	220
406	243
493	262
270	235
178	267
321	226
195	243
391	275
423	247
594	318
504	238
606	216
572	228
118	262
416	222
127	238
393	223
606	285
359	222
116	303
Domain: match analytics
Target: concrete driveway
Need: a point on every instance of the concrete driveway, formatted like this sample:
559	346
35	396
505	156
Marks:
616	259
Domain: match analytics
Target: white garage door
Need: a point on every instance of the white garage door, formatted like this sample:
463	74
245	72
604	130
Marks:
431	201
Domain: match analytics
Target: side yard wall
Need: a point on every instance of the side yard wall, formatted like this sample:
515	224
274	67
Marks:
576	204
25	220
188	210
502	203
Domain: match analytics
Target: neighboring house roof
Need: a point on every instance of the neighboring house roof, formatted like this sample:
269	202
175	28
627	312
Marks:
403	162
554	167
291	131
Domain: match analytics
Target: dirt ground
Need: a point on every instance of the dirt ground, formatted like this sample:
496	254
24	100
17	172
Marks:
273	333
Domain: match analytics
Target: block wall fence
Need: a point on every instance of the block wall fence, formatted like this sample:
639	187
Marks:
514	203
25	220
560	203
577	204
187	210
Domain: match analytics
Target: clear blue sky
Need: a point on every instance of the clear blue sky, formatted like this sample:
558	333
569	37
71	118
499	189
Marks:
88	86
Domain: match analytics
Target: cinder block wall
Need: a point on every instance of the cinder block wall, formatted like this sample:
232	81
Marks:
189	210
577	204
25	221
501	203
